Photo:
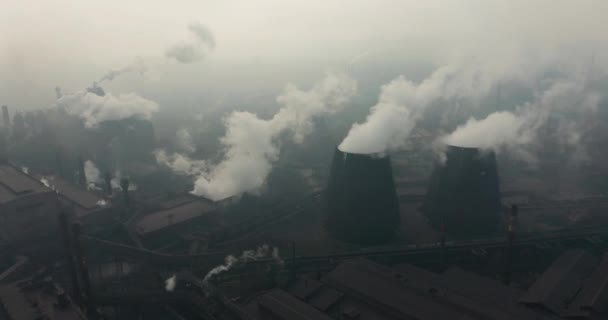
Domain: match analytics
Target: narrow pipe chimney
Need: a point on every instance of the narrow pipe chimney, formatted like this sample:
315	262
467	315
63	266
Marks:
69	256
83	269
82	181
108	182
124	184
6	117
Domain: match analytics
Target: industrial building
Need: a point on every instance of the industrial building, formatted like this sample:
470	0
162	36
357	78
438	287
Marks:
28	209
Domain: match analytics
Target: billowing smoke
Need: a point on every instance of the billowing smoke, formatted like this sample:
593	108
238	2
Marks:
138	65
92	175
566	101
262	252
170	283
196	49
184	141
181	164
252	144
94	109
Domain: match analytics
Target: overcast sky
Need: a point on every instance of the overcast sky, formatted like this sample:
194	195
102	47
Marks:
262	44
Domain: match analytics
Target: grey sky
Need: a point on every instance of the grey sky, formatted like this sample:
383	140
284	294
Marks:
262	44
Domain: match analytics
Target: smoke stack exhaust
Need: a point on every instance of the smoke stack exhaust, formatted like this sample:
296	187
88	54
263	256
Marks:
362	204
463	196
6	117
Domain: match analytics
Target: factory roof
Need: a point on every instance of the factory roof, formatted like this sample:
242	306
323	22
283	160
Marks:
410	292
84	200
15	183
22	301
172	216
560	282
283	306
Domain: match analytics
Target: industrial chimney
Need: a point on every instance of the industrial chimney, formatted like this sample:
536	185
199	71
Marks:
6	117
463	197
362	204
82	180
108	183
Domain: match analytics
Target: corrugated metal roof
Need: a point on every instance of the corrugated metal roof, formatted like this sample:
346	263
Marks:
15	183
594	294
559	284
285	307
165	218
74	193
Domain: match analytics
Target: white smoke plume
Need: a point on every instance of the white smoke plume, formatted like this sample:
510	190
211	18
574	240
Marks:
92	175
25	169
115	182
184	141
138	65
567	101
196	49
252	144
94	109
261	252
170	283
180	164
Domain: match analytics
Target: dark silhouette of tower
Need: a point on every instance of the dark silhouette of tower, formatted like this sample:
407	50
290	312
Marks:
5	117
463	196
362	204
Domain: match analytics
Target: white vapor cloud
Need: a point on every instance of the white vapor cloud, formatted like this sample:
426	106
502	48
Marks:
94	109
252	144
196	49
568	102
171	283
138	65
184	141
92	175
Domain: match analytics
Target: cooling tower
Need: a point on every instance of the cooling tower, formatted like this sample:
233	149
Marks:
362	204
463	195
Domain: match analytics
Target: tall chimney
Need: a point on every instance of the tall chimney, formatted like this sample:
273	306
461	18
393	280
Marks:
6	117
124	184
362	204
70	256
82	181
463	196
108	181
83	269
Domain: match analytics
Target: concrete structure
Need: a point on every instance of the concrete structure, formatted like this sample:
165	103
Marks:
28	209
463	196
362	204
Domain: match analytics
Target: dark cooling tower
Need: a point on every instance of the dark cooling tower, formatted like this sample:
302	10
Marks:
362	204
463	195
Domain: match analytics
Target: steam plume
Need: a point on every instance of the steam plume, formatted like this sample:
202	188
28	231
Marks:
196	49
566	101
92	175
180	164
94	109
253	144
137	65
184	141
170	283
261	252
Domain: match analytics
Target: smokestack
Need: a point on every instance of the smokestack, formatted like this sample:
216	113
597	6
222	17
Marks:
70	256
83	269
362	204
108	181
59	163
511	224
6	117
463	197
81	176
124	184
